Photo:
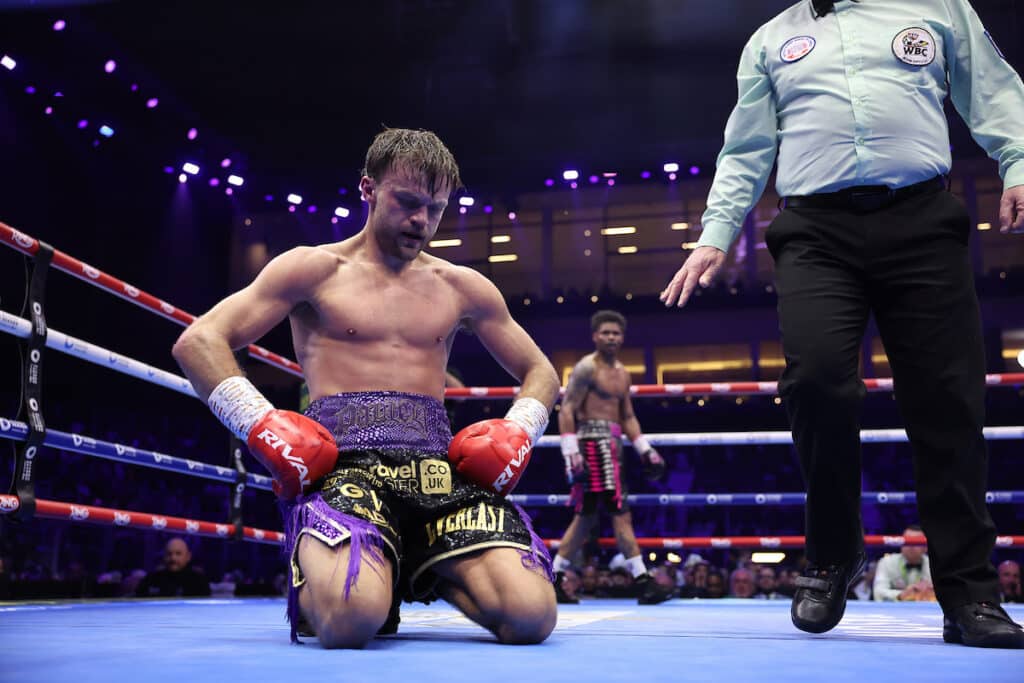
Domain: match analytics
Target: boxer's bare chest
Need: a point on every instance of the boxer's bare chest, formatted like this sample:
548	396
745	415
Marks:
418	309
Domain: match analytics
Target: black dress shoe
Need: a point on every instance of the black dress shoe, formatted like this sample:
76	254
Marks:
652	592
561	597
982	624
820	598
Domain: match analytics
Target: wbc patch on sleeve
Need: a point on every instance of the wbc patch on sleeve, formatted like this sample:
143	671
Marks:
795	49
914	46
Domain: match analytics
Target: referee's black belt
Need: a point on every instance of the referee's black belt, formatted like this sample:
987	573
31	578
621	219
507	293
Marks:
863	198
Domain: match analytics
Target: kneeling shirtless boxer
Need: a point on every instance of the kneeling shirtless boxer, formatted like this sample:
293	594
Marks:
374	482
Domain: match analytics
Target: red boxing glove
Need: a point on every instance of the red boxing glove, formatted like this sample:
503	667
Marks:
296	449
492	453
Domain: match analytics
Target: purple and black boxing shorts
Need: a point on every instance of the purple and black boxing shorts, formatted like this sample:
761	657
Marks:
393	494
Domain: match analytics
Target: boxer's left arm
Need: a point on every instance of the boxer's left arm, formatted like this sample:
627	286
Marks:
654	464
494	453
508	343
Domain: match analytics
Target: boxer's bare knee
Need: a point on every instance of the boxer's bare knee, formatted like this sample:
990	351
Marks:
342	619
527	613
494	589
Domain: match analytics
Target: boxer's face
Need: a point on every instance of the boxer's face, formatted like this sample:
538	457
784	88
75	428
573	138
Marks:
608	338
404	215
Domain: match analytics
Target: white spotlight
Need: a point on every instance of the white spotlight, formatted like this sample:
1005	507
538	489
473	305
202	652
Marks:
8	63
190	168
341	212
294	199
235	180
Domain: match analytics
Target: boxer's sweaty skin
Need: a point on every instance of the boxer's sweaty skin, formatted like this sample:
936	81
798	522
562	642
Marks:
372	312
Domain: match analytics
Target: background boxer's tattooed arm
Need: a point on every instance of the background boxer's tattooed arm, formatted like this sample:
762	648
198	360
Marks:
580	380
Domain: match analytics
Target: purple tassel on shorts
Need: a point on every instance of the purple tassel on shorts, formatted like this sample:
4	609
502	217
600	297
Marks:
538	557
312	515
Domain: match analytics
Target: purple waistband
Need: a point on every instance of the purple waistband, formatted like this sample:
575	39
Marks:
384	420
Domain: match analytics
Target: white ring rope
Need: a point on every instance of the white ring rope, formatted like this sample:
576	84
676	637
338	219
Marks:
58	341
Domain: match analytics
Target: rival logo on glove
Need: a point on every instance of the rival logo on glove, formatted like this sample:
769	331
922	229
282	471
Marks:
277	443
509	473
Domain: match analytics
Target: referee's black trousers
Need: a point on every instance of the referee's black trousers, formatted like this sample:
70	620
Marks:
908	265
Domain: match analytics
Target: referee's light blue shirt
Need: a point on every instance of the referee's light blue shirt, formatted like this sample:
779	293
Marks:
855	98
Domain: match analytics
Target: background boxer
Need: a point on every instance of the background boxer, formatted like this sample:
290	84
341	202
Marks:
595	413
372	320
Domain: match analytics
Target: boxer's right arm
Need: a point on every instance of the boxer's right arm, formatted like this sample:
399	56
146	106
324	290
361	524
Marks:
295	449
579	382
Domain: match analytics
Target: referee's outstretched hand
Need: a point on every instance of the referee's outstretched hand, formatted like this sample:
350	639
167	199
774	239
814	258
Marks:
700	267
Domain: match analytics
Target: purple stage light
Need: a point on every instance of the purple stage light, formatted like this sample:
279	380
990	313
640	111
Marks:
59	25
228	191
30	89
8	63
593	180
224	163
268	197
611	182
82	123
645	174
214	182
311	208
58	94
182	178
671	176
48	110
192	134
573	185
135	87
110	66
291	209
694	170
549	182
342	190
462	209
488	208
334	220
168	169
609	174
511	215
152	102
106	131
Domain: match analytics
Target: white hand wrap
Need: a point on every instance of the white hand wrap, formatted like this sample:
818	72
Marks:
641	445
238	405
531	415
570	447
